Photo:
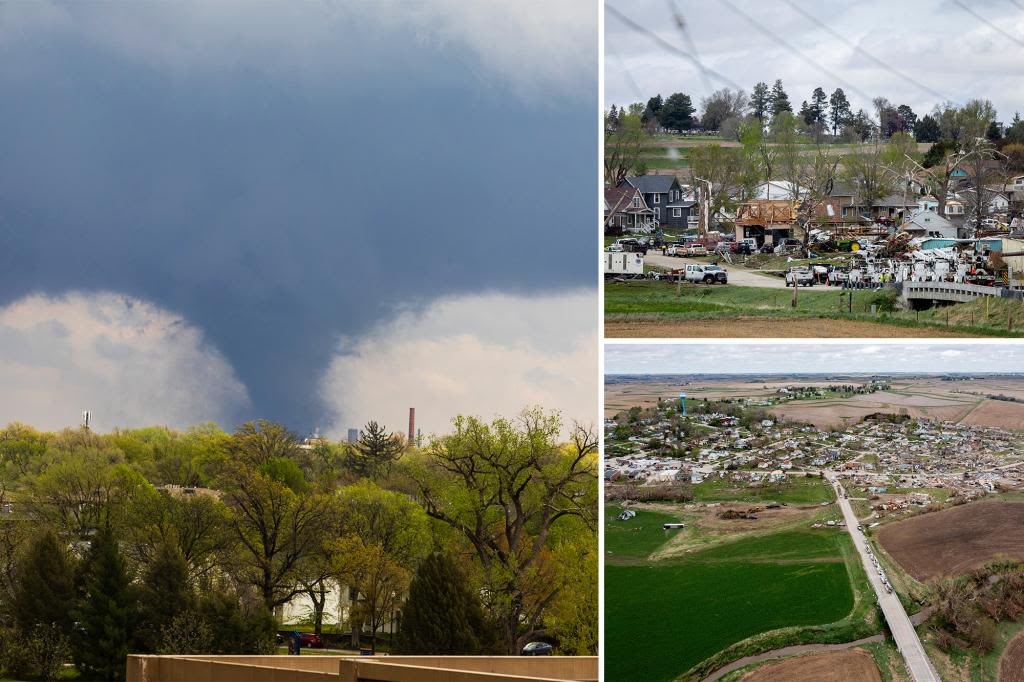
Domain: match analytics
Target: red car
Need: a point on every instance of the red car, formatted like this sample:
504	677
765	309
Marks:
310	640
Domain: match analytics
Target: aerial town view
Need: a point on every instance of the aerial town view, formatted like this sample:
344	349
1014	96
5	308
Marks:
831	512
823	188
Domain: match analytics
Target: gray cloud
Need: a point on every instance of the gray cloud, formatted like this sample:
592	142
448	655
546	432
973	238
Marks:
933	41
280	174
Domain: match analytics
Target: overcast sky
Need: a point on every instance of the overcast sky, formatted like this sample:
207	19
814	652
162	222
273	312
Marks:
208	210
939	45
791	358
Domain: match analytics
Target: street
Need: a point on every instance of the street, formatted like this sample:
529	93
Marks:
738	275
902	629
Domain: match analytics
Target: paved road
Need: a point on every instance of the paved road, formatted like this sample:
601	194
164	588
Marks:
737	275
902	629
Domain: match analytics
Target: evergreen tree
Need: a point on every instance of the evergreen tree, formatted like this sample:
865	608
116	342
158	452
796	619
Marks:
760	101
677	112
45	585
653	111
927	130
994	132
817	107
839	110
375	451
780	100
805	113
442	614
165	594
908	117
106	615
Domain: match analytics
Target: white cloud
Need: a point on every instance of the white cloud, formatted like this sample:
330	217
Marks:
486	355
127	361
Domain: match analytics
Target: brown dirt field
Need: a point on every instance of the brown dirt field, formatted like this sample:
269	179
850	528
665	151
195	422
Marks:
825	413
766	327
957	540
998	413
705	520
854	665
1011	663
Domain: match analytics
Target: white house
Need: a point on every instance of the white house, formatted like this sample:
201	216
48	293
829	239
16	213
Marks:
926	223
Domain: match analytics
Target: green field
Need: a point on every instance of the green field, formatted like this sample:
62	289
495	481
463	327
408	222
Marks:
663	618
658	300
635	538
793	490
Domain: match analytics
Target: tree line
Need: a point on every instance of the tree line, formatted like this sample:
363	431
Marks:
154	540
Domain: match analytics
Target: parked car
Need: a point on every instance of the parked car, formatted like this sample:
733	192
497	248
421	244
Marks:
708	274
837	277
537	649
788	245
696	250
676	249
800	275
311	640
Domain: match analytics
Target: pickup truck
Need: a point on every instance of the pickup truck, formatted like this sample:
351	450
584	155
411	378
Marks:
696	250
801	276
708	274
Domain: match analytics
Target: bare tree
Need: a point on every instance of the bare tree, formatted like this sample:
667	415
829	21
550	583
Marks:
622	149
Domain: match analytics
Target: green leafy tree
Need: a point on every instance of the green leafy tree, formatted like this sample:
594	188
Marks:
443	614
622	149
503	486
106	615
677	113
275	529
652	112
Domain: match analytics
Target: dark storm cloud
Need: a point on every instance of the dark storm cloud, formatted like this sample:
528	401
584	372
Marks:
278	197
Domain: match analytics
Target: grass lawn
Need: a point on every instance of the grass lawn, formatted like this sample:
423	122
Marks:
635	538
793	490
658	300
663	618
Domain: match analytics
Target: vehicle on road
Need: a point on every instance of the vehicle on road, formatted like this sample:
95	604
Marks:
838	277
696	250
537	649
311	640
708	274
800	276
677	249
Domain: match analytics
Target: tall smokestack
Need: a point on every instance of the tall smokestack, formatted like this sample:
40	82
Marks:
412	426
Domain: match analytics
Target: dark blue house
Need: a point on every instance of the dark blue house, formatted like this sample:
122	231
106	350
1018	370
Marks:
665	196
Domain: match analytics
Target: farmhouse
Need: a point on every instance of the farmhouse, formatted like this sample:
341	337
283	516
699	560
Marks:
672	206
767	221
625	209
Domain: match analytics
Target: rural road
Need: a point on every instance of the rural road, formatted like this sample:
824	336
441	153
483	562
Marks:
737	275
902	629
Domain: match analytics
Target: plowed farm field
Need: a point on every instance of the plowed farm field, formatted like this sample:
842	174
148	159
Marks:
1011	665
854	665
957	540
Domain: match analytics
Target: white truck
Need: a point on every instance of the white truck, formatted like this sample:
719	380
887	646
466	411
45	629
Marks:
706	273
800	275
623	264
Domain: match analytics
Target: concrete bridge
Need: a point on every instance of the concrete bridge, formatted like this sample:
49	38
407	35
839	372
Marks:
924	294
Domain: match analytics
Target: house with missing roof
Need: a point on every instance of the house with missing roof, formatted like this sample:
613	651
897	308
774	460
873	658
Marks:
626	210
673	207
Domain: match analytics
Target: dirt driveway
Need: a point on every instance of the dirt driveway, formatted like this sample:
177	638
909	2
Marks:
768	327
854	665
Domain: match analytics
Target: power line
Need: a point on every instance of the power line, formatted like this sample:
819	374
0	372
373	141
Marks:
771	35
864	52
665	45
626	72
681	23
988	23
